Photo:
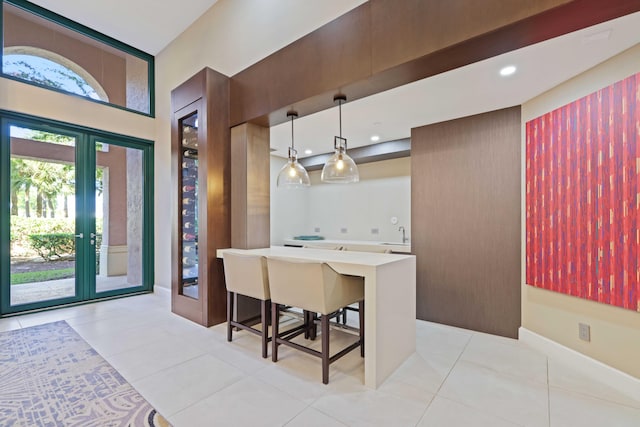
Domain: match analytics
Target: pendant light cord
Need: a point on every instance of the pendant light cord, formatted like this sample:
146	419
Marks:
340	115
292	147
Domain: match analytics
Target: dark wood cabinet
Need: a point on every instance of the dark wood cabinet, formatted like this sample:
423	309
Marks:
200	156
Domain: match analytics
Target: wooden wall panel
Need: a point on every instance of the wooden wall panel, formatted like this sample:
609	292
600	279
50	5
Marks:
384	44
421	27
217	166
465	221
250	200
336	54
250	190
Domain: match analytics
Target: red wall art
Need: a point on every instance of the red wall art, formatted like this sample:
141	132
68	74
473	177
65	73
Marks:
582	197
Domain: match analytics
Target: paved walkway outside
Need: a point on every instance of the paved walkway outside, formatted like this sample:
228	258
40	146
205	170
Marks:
54	289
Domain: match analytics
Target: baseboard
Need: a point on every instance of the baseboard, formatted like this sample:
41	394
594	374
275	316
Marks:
162	289
600	371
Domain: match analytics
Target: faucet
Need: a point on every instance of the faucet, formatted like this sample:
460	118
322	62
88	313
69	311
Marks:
404	238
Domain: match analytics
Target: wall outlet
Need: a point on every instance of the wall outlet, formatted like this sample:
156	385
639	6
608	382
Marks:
375	231
316	230
343	230
584	332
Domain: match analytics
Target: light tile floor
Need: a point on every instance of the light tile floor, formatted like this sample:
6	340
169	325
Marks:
455	378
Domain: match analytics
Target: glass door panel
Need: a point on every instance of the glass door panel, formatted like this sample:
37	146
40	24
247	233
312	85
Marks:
119	201
43	229
75	219
189	206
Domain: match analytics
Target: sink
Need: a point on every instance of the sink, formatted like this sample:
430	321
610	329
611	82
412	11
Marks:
395	244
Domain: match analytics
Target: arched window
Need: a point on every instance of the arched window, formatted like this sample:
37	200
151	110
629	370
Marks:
51	70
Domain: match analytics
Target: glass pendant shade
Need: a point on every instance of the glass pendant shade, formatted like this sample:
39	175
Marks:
340	168
293	174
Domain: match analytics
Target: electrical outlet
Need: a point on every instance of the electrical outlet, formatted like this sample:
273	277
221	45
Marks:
584	332
375	231
316	230
343	230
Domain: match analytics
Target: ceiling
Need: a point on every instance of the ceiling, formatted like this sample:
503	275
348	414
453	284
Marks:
148	25
465	91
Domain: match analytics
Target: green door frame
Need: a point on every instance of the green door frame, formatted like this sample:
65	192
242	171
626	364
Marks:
5	217
147	231
85	190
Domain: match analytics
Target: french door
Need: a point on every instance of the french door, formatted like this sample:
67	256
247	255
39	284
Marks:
75	214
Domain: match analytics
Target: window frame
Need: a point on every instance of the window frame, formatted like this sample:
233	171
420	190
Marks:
87	32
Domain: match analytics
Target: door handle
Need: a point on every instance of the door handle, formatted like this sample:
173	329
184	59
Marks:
80	236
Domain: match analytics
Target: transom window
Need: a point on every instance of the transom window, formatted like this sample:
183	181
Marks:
45	49
46	72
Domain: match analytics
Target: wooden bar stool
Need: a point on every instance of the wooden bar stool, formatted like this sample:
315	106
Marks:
247	275
317	288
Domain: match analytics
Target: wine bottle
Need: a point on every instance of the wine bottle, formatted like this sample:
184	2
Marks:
189	261
191	142
190	273
191	154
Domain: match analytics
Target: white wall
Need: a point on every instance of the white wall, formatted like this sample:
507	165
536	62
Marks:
229	37
384	191
289	207
615	332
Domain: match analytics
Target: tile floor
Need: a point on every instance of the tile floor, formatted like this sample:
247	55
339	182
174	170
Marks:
455	378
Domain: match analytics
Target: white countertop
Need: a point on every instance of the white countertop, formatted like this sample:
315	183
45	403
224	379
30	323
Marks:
353	244
330	256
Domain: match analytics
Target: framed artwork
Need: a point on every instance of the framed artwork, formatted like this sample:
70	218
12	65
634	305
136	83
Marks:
583	197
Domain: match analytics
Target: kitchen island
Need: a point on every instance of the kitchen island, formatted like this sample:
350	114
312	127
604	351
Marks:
390	301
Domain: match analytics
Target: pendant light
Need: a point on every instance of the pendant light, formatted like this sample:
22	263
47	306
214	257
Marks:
293	174
340	168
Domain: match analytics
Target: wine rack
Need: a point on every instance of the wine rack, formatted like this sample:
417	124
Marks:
189	205
201	193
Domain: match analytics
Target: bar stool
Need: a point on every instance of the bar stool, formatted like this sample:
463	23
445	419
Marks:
247	275
317	288
311	333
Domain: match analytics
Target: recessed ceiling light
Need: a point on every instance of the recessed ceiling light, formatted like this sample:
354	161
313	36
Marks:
508	70
307	151
375	138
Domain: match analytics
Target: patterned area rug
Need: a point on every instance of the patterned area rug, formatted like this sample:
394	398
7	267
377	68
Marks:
50	376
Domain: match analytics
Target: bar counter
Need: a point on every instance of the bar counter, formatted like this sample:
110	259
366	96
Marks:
390	301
